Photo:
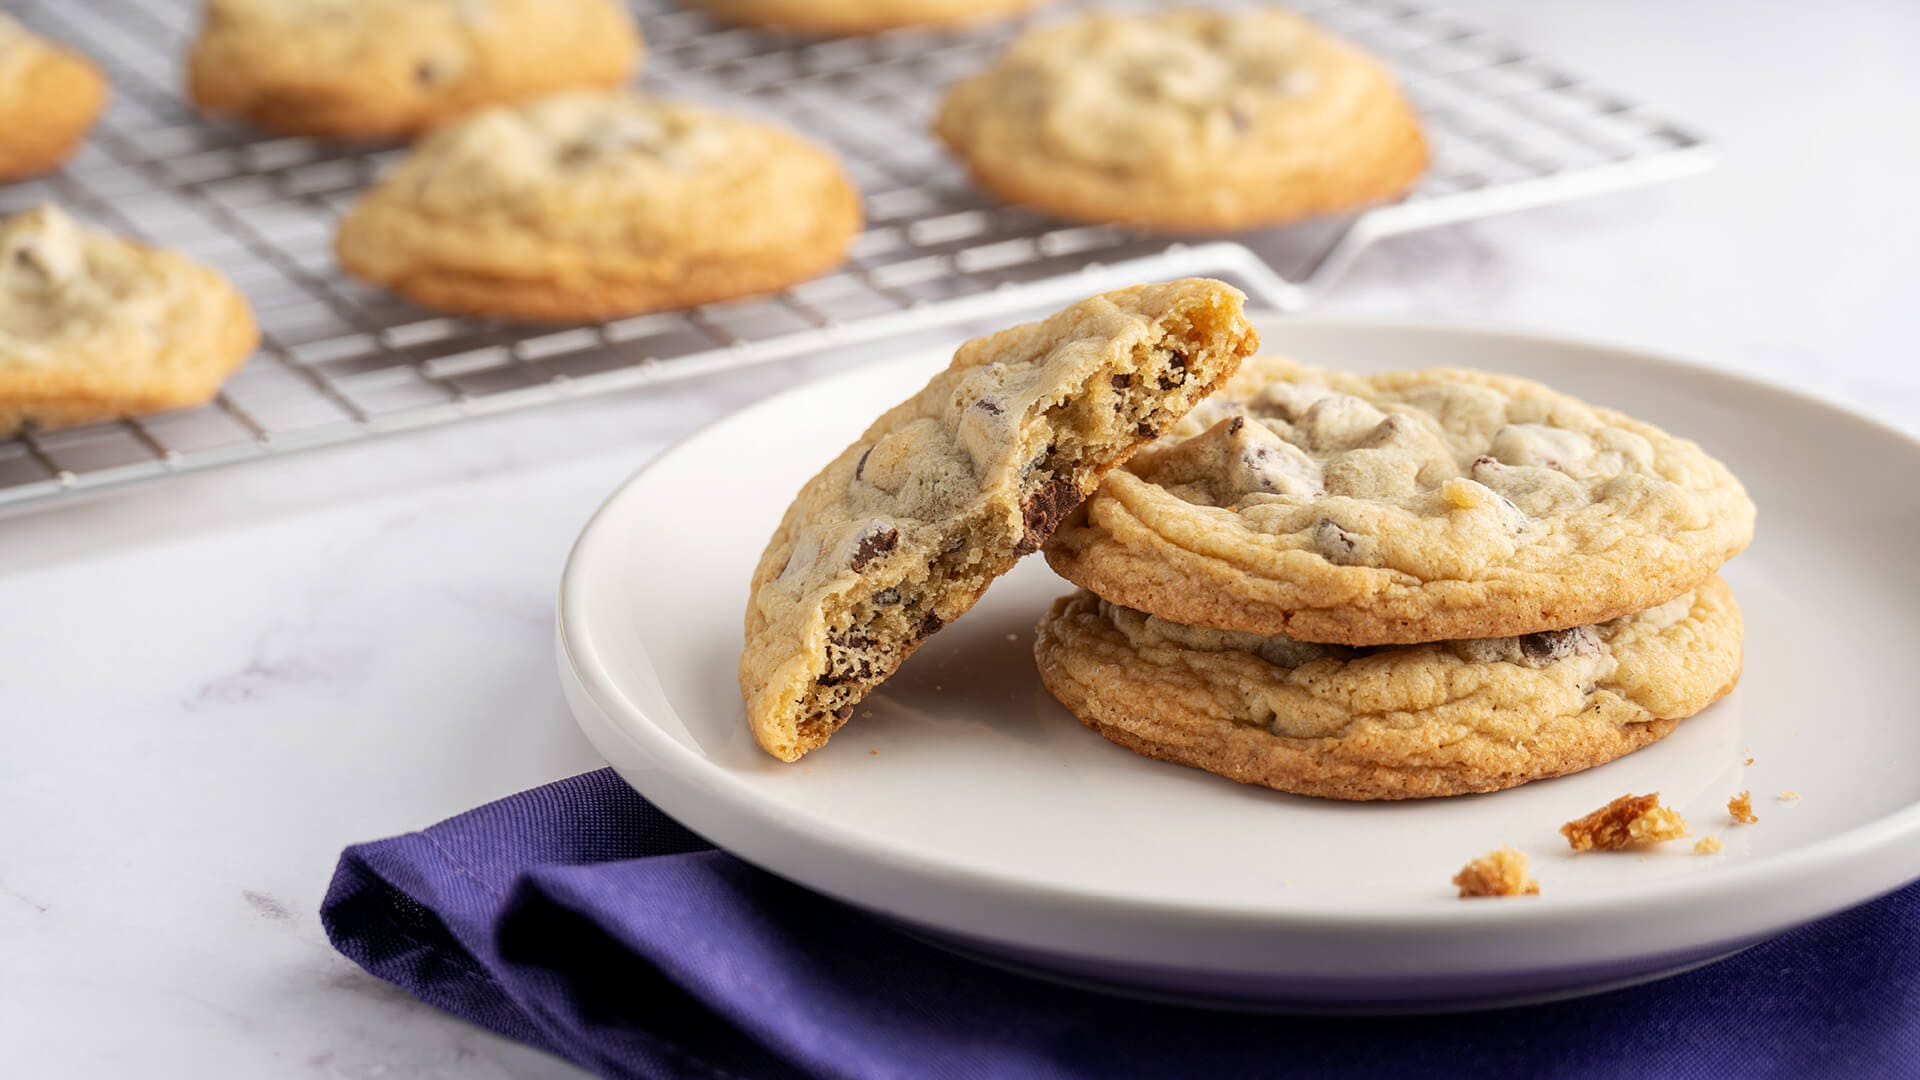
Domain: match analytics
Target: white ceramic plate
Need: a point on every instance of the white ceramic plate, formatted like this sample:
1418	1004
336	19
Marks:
964	803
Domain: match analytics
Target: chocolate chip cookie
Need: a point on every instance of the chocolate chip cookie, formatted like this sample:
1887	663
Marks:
1396	722
1400	508
905	529
93	326
1189	120
393	67
49	99
859	16
590	205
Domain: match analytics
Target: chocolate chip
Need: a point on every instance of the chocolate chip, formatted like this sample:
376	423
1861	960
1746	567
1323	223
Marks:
860	467
875	543
1234	425
1515	517
27	260
1145	430
1043	511
1178	375
989	406
886	597
930	624
1551	646
1334	542
843	712
1239	118
426	73
1122	382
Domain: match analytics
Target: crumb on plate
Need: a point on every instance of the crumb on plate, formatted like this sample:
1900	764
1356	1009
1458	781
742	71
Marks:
1628	821
1789	795
1497	873
1740	808
1708	845
1749	761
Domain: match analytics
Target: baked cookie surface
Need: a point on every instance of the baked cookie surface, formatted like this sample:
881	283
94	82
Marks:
49	99
859	16
93	326
1185	120
393	67
590	205
942	494
1404	507
1397	722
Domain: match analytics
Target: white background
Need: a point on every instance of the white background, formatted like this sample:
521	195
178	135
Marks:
209	688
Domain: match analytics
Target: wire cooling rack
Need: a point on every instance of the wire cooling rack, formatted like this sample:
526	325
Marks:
340	361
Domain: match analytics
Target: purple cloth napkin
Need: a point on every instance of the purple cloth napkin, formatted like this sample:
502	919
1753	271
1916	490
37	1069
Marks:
578	918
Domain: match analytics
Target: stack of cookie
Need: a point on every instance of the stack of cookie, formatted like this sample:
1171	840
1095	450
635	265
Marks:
1396	586
1393	586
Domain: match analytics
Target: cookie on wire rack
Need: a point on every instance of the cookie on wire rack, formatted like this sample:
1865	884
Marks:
597	204
393	67
49	99
93	326
1185	120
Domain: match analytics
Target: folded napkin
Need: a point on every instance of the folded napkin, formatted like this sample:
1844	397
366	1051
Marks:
578	918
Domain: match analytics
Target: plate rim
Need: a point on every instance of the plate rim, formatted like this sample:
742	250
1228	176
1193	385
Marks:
1732	884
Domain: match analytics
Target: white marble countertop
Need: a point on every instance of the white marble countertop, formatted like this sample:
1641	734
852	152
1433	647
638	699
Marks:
211	687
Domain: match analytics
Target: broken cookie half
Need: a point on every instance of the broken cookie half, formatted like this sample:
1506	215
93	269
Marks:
906	528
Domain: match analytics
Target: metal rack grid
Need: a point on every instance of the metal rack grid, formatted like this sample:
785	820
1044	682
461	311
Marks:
340	361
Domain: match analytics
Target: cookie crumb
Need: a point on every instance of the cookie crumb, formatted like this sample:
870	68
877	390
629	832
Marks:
1749	761
1708	845
1740	808
1497	873
1628	821
1013	637
1789	795
876	753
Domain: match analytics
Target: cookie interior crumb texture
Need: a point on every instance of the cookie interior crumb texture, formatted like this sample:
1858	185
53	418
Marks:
906	528
1497	873
1628	821
1708	845
1740	808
